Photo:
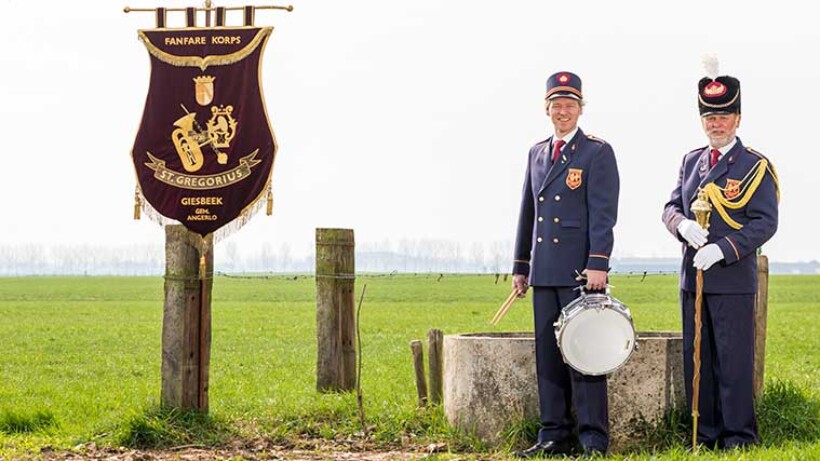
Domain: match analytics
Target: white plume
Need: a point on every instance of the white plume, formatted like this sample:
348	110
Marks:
711	65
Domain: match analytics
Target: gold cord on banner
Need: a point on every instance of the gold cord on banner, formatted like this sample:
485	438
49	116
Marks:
205	245
269	210
137	203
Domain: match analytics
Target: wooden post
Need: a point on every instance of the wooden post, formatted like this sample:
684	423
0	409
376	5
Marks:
761	309
186	322
335	315
435	341
418	364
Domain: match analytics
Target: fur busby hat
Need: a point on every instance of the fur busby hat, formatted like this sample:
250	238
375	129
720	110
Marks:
717	94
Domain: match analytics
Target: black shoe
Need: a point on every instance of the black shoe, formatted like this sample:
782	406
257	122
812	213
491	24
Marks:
593	452
548	448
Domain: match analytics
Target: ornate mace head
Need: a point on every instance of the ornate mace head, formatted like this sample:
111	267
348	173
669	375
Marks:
702	209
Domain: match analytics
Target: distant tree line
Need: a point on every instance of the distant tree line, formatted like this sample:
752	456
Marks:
403	256
407	255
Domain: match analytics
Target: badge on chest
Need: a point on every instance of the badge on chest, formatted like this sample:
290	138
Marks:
574	178
732	188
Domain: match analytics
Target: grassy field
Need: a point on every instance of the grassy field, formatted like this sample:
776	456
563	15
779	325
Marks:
80	360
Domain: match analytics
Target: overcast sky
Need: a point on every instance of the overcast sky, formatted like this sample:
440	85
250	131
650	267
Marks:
411	119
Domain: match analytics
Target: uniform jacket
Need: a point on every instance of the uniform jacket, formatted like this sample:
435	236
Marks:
567	212
737	273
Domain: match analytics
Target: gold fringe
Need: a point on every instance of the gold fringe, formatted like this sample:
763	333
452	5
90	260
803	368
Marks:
137	204
203	63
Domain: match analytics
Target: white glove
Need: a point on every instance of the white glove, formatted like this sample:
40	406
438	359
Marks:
707	256
692	233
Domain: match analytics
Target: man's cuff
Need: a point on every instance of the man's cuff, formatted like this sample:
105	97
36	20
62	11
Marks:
598	262
521	267
730	251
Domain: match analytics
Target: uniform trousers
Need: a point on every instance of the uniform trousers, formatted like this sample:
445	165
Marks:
561	388
726	404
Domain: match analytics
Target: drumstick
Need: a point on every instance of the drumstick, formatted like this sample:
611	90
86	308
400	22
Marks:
502	311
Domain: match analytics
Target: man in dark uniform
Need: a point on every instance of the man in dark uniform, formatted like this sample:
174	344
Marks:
568	209
741	185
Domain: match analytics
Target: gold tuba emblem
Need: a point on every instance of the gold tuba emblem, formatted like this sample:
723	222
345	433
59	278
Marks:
184	138
204	89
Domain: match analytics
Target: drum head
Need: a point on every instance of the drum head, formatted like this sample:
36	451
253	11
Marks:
597	341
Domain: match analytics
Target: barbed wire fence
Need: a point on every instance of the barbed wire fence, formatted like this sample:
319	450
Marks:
436	276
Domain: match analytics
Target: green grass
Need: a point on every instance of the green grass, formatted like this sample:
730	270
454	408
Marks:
80	361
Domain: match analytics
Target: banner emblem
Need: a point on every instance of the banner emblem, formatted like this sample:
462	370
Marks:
204	89
204	157
221	127
574	178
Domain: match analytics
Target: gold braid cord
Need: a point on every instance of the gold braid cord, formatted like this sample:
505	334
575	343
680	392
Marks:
749	185
203	63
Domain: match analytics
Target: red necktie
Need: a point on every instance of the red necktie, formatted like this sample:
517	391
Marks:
715	155
556	150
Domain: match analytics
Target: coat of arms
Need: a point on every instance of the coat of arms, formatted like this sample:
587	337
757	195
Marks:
732	188
574	178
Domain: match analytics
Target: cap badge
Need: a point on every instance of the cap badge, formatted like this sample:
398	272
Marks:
563	79
714	90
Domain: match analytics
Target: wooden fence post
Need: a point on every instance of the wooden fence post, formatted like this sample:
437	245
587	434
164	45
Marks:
335	314
418	366
186	322
761	310
435	341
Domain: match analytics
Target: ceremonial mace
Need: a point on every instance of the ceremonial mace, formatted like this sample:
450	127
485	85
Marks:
702	209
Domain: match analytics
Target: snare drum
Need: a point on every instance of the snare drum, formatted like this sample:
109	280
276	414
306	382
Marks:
595	334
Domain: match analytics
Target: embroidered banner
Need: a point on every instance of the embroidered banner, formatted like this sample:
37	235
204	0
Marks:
204	151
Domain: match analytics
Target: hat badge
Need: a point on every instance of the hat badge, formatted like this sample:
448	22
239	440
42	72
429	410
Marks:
714	89
563	79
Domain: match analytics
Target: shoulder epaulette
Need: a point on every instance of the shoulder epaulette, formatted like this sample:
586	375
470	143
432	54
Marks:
699	149
596	139
756	153
769	168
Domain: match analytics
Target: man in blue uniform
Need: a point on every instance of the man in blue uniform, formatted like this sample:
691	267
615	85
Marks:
741	185
569	206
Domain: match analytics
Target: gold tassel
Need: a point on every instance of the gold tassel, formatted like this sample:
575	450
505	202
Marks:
269	210
202	266
137	204
205	245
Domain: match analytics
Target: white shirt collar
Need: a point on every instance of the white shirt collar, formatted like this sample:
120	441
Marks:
723	150
567	138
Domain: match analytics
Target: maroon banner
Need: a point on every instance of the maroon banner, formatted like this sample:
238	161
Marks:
205	149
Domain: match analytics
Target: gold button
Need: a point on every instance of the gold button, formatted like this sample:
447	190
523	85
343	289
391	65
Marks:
555	220
540	219
557	198
540	199
540	239
555	240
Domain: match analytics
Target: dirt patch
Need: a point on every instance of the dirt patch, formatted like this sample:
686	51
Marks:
247	450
